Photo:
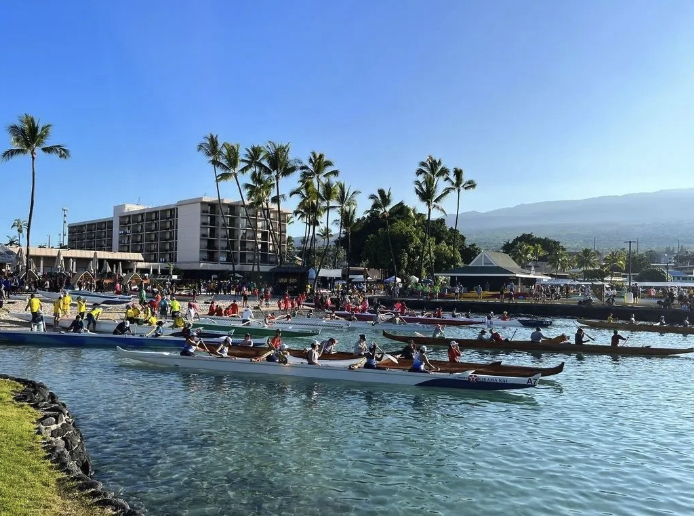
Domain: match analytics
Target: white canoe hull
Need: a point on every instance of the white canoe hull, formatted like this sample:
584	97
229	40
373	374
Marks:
94	298
323	372
297	322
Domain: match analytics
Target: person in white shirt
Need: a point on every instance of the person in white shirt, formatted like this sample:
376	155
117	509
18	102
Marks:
246	315
360	346
247	340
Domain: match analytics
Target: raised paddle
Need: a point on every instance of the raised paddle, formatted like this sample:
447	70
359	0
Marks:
386	355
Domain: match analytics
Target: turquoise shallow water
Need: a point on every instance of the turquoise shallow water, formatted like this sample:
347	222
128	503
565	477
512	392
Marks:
607	436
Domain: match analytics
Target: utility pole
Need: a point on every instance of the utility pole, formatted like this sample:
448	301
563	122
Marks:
593	243
630	242
62	241
637	246
49	241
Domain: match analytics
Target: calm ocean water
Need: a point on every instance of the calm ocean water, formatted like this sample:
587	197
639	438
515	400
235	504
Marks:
609	436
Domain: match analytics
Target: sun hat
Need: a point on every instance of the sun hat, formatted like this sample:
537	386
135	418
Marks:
423	349
283	347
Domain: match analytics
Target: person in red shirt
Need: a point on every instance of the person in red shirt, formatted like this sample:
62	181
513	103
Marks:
212	309
438	313
219	311
496	337
454	353
276	340
228	311
234	308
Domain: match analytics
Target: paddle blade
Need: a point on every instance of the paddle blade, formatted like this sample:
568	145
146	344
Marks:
391	358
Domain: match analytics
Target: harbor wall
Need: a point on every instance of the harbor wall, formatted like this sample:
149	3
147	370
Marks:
64	444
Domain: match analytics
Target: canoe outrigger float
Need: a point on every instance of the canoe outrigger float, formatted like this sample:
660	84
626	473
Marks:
625	326
557	345
204	362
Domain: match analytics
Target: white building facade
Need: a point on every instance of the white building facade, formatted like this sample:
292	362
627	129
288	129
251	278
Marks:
189	234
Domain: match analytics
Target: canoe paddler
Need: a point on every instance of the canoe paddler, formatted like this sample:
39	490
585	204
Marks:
661	321
223	349
409	351
616	337
685	323
421	363
123	328
482	335
581	338
360	347
276	341
373	357
312	355
537	335
328	346
191	345
279	355
157	331
632	319
454	352
610	318
438	332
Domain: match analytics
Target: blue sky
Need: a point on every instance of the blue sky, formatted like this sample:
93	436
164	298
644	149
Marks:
535	100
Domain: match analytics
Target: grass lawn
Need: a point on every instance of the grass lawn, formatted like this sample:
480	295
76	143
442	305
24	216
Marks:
29	483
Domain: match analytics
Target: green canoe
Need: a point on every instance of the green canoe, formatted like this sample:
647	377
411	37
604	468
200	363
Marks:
255	331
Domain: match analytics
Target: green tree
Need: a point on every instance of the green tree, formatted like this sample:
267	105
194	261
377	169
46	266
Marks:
559	261
430	172
549	245
229	166
28	136
614	261
653	274
280	165
344	199
459	184
381	203
20	225
328	192
212	150
586	259
522	253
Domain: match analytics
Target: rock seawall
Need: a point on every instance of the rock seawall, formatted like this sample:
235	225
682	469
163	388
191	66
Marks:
64	444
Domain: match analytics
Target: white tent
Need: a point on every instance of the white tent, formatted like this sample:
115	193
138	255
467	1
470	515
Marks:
106	268
94	266
392	279
71	266
119	269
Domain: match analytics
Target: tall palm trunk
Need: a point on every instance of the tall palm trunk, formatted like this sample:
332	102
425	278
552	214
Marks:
253	227
325	249
424	246
224	222
457	212
339	236
304	242
392	254
31	209
271	229
279	218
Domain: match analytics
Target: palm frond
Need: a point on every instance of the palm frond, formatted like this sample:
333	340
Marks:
13	153
57	150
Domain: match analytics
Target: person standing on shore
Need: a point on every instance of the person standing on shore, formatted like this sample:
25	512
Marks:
57	308
67	302
34	305
81	307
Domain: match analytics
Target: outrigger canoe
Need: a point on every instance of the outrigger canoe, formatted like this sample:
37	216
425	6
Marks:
204	362
492	368
102	325
412	319
254	331
88	340
550	346
683	330
302	323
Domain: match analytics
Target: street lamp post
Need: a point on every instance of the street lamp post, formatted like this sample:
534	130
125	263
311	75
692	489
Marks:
630	242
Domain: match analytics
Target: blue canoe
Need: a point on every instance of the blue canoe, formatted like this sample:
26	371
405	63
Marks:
87	340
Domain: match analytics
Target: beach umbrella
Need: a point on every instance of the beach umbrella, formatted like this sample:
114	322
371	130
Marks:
31	264
19	260
159	269
119	270
95	263
59	262
7	255
150	270
106	268
392	279
71	266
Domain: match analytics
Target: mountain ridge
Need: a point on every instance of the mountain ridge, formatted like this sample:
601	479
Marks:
657	219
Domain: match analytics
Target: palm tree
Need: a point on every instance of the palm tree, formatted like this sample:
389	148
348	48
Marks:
615	260
229	164
317	170
259	191
586	259
537	251
381	203
522	253
280	166
328	192
427	189
12	240
458	184
344	199
28	137
210	148
348	220
20	225
559	261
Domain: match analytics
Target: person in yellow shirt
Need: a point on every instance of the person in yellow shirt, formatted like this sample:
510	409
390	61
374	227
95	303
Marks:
81	307
67	301
175	307
34	306
92	317
57	308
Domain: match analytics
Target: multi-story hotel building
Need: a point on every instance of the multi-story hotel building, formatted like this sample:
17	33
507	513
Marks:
189	234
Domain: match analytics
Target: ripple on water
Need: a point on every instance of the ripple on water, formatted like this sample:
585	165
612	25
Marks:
605	437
